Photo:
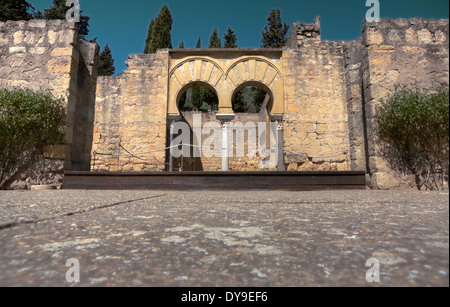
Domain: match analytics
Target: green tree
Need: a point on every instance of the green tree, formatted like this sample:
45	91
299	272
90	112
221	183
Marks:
28	121
413	126
230	39
214	40
201	95
239	103
15	10
148	41
106	63
58	11
274	35
259	95
181	46
159	33
199	43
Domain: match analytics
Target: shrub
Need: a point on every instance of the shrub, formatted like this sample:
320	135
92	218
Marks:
28	121
414	127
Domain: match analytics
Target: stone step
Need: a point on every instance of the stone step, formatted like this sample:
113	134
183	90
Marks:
294	181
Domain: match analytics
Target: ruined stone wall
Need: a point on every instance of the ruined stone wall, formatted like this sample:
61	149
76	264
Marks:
353	56
411	52
131	117
48	55
316	119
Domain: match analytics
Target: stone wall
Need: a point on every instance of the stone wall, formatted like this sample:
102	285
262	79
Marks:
409	52
48	55
353	56
131	117
316	122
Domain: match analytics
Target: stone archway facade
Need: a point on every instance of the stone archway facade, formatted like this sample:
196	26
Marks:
324	97
224	71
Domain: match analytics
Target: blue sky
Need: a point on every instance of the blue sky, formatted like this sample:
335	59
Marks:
124	24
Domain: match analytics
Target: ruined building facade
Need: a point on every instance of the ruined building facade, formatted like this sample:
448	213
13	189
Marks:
322	95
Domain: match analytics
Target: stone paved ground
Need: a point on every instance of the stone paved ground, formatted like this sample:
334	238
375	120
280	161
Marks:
161	238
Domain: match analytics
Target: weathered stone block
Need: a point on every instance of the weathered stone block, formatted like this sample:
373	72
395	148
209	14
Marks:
18	37
38	50
59	65
67	51
52	36
17	50
385	181
374	37
424	36
415	50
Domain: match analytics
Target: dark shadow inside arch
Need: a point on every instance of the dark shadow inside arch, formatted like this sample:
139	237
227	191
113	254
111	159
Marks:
198	96
251	97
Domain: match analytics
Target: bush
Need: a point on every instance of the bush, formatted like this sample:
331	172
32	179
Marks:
28	121
414	128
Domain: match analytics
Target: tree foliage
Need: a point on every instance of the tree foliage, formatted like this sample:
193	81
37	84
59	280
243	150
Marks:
414	127
106	62
58	11
15	10
28	121
248	100
199	43
275	33
148	41
159	32
240	105
230	39
214	40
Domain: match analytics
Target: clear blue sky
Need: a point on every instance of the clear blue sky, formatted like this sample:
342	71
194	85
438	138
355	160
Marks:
123	24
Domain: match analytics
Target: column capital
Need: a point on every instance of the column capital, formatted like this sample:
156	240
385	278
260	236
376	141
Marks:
225	117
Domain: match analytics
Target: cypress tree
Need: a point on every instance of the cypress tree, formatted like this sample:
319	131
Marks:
181	46
159	33
230	39
275	32
199	43
15	10
106	63
148	41
58	11
214	40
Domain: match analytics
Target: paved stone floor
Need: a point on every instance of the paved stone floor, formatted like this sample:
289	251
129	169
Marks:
252	238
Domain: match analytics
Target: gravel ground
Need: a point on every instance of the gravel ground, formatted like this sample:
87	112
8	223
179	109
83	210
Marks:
224	239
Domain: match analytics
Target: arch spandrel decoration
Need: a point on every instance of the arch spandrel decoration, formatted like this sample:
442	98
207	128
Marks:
224	75
192	70
254	70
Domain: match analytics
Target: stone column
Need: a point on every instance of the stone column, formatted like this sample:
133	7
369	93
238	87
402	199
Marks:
172	118
278	119
225	147
172	131
280	164
225	119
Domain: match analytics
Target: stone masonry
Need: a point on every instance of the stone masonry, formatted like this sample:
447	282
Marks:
407	52
48	55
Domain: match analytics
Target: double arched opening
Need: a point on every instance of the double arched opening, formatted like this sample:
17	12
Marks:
250	97
222	100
